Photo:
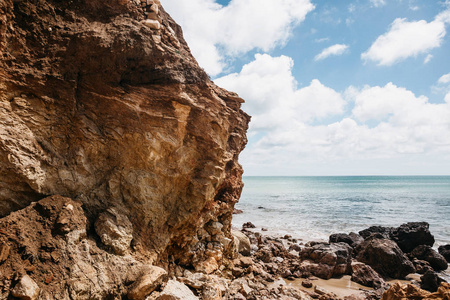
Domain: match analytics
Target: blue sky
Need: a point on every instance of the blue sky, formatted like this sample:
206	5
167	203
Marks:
358	87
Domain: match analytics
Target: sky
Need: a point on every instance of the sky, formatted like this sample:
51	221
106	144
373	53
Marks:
354	87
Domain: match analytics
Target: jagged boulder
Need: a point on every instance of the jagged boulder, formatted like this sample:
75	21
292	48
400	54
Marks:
385	232
410	235
365	275
353	239
327	260
445	252
385	257
426	253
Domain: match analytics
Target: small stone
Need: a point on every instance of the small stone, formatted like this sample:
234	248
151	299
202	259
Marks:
154	8
26	289
156	39
208	266
175	290
152	24
264	229
4	252
147	283
307	283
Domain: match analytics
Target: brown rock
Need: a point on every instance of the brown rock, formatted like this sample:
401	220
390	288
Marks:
4	252
307	283
242	242
385	257
153	277
365	275
26	289
175	290
327	260
400	291
426	253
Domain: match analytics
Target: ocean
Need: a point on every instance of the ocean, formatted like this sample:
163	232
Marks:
312	208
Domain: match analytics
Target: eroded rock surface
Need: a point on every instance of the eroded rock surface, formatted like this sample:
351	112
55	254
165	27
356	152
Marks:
98	106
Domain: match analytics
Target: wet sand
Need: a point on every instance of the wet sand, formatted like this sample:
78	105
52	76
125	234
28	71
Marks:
342	287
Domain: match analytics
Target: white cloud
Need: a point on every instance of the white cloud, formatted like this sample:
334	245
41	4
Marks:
378	3
334	50
314	127
428	58
444	79
215	32
407	39
273	98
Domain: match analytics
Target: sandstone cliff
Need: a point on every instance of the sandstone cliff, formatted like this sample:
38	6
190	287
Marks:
102	102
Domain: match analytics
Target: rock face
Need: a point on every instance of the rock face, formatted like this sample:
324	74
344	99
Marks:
98	106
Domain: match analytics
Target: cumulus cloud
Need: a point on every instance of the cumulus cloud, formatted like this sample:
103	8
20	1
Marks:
407	39
334	50
273	98
215	32
312	127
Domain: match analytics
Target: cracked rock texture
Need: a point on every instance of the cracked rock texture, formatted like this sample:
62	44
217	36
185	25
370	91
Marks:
98	107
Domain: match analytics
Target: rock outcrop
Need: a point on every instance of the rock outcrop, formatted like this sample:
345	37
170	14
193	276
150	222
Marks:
102	102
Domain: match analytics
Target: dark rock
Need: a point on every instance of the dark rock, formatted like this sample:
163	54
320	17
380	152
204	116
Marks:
422	266
423	252
237	211
365	275
248	225
410	235
352	239
384	231
385	257
307	283
430	281
445	251
327	260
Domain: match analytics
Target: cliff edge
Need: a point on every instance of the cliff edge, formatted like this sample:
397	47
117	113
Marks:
103	103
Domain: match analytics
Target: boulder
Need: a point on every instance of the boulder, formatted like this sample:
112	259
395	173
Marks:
384	231
385	257
421	266
410	235
426	253
445	251
353	239
365	275
147	283
327	260
175	290
430	281
115	230
242	242
403	292
26	289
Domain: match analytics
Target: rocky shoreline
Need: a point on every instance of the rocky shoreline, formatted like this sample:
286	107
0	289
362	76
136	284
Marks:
50	250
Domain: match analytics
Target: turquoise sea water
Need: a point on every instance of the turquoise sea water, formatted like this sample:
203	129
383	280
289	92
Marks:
312	208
